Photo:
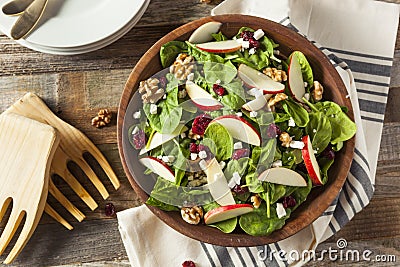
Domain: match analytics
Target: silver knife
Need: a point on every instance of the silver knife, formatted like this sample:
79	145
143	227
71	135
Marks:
16	7
29	19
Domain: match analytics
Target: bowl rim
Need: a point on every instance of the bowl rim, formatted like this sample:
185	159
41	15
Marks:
232	239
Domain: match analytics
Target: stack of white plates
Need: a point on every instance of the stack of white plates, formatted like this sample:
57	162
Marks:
70	27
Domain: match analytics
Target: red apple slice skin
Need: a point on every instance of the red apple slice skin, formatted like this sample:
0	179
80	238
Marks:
280	175
311	162
204	33
236	131
254	78
226	212
295	79
220	47
152	163
200	98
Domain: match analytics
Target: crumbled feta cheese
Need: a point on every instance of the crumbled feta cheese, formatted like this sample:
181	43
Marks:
203	164
307	96
291	122
255	92
245	44
183	135
164	96
280	210
137	114
347	96
235	180
253	114
159	157
239	114
218	81
277	163
193	156
252	51
238	145
190	77
168	159
234	38
277	52
296	144
258	34
222	164
153	109
305	84
314	130
202	154
315	151
135	130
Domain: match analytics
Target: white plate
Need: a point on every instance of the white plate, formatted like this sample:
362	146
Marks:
73	23
90	47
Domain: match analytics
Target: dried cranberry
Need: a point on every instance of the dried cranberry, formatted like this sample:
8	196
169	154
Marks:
188	264
302	167
273	131
241	153
139	139
247	35
328	153
163	82
193	148
218	89
109	210
253	43
200	124
238	189
289	202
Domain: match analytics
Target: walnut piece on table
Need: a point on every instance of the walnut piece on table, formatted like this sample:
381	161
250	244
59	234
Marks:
206	1
102	119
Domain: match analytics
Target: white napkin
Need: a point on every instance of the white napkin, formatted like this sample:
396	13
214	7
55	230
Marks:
355	34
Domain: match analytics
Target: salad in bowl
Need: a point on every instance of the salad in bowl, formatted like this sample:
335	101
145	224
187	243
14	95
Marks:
233	133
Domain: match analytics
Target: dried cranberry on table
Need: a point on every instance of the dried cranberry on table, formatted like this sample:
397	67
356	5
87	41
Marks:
110	210
188	264
139	139
218	89
241	153
200	124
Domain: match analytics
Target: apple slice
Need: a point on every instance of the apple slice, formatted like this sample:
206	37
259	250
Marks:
201	98
310	161
240	129
226	212
204	33
282	176
295	79
158	139
257	103
217	184
158	167
254	78
220	47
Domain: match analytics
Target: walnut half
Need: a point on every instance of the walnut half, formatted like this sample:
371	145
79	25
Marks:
102	119
285	139
318	91
275	74
150	90
192	215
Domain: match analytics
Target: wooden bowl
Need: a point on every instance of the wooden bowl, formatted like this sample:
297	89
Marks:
319	199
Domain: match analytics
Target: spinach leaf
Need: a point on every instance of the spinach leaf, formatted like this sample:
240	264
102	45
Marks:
235	98
239	166
220	140
170	51
301	193
219	36
161	205
225	73
320	131
267	155
306	69
257	223
296	111
325	164
252	182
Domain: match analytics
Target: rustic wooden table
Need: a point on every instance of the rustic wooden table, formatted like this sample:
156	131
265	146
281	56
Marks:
76	87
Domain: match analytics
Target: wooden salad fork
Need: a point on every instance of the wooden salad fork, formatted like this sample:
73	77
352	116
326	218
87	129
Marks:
27	148
73	144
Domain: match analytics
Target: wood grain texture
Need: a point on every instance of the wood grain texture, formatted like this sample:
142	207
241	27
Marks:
75	87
